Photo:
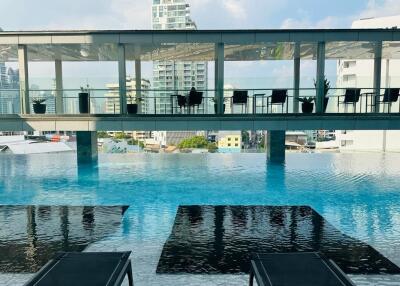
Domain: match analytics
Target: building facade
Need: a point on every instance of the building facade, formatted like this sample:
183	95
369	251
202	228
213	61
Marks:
170	77
229	141
9	89
112	96
359	73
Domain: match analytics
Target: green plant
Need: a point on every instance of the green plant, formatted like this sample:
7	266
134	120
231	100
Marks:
135	100
85	89
193	142
212	147
121	135
327	85
102	134
38	100
306	99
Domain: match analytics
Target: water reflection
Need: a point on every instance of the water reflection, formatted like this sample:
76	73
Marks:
221	239
31	235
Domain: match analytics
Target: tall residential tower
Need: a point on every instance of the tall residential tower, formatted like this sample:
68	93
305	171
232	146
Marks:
170	76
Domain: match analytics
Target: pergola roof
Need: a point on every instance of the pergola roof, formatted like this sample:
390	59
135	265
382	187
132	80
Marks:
240	45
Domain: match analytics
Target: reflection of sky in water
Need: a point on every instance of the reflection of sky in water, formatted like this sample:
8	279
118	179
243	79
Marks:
357	193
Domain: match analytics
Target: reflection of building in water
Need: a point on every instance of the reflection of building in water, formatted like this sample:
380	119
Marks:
35	233
230	234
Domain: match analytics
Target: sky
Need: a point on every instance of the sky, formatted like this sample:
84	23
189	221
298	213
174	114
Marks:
208	14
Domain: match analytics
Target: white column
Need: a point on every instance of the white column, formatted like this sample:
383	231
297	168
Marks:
377	74
122	78
296	77
219	76
59	87
320	78
138	82
23	79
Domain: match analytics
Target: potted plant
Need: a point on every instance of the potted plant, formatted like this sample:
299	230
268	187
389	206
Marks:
216	104
327	87
307	105
84	100
132	107
38	105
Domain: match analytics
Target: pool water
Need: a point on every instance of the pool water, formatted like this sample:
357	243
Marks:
357	193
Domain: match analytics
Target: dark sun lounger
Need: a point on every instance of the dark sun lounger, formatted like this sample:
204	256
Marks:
85	269
296	269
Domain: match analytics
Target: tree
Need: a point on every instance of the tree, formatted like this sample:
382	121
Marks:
121	135
212	147
102	134
193	142
245	137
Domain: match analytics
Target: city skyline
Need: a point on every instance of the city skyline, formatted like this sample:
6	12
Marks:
121	14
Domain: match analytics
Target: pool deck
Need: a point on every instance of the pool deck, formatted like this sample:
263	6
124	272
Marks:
144	269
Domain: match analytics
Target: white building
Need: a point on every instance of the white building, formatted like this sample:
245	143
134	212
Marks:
359	73
170	76
112	96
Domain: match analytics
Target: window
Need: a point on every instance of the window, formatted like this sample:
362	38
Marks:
349	77
236	145
349	64
236	139
229	145
346	143
229	138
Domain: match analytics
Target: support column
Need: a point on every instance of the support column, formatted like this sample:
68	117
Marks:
296	77
59	87
276	145
320	78
86	147
122	78
219	76
377	74
23	79
138	82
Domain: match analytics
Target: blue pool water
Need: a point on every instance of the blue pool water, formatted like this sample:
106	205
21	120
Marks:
357	193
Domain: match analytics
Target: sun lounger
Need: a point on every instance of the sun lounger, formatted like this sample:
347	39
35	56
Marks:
85	269
296	269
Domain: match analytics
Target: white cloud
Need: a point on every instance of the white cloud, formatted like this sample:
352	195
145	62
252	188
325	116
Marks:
235	8
381	8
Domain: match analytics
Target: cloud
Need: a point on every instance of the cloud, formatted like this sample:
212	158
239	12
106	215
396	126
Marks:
235	8
374	8
383	8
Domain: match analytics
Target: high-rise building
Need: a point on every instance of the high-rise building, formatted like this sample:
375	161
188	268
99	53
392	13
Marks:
112	97
359	73
171	76
9	85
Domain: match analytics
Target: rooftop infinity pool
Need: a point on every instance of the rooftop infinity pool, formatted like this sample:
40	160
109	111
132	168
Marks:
356	194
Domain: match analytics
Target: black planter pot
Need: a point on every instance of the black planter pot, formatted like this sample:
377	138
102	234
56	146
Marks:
216	108
83	102
39	108
307	107
132	108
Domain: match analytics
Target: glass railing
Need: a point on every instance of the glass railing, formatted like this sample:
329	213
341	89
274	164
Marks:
178	102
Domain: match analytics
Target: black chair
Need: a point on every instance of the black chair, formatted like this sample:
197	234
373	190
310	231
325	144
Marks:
351	97
296	269
181	101
278	97
391	95
195	99
85	269
240	97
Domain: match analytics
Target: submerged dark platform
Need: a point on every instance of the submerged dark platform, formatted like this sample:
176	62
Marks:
222	239
31	235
